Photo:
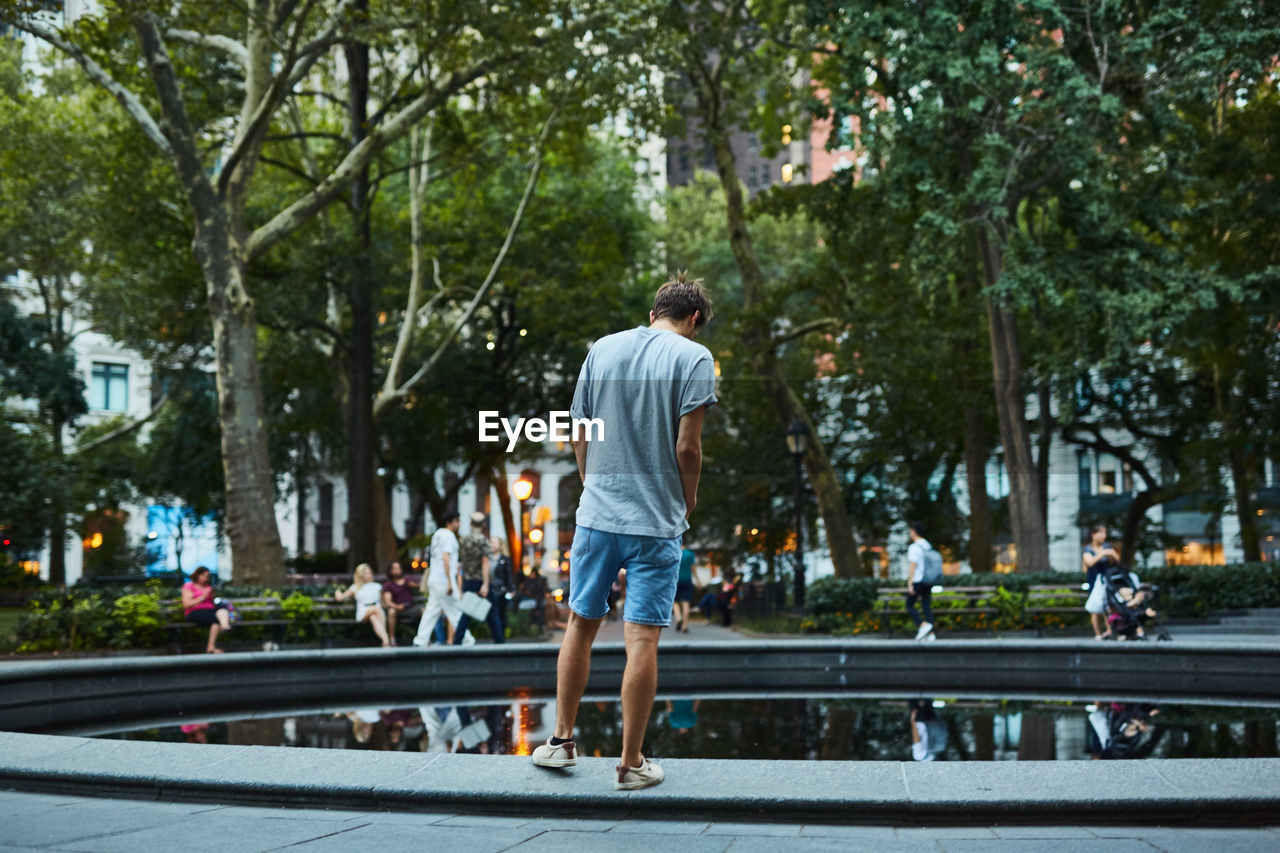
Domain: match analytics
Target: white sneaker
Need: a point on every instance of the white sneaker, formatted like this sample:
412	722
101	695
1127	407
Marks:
560	755
631	778
930	638
468	640
924	630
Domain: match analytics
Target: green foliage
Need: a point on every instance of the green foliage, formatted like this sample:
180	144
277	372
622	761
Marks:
1197	590
65	620
137	620
841	595
300	610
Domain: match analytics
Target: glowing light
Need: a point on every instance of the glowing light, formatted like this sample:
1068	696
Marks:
524	332
755	531
95	541
522	489
153	535
788	171
489	346
535	536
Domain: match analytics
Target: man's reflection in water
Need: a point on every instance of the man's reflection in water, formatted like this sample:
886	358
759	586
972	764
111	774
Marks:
682	714
1119	730
928	732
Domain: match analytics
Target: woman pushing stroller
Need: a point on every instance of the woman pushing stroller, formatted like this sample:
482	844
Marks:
1098	556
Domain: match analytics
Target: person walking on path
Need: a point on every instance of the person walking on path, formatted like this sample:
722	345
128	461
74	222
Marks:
684	590
1098	555
501	580
473	560
924	568
649	387
441	581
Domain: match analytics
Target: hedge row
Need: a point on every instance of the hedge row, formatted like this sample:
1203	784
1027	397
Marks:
1184	590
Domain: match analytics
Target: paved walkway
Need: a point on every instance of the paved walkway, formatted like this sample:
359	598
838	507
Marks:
52	822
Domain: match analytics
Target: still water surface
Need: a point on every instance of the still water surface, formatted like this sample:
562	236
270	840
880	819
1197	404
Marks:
787	728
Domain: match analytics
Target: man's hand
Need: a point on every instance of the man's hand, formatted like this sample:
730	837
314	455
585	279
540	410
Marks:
911	588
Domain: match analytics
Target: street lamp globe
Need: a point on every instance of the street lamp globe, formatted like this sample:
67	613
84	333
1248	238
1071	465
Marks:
797	438
522	489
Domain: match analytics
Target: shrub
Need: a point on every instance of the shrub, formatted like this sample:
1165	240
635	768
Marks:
841	595
136	620
300	610
70	620
1196	590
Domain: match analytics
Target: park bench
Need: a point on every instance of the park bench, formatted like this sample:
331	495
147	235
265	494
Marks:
255	612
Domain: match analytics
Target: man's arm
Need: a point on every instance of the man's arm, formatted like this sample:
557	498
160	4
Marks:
580	454
689	456
387	603
446	558
911	573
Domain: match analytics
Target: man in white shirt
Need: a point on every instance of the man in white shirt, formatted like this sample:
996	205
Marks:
917	587
441	582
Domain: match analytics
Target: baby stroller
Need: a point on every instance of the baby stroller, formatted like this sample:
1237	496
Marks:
1131	611
1119	731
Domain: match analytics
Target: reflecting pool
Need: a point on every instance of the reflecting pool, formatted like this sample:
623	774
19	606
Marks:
923	729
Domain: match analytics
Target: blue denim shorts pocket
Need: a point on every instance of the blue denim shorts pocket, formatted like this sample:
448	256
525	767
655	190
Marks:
592	571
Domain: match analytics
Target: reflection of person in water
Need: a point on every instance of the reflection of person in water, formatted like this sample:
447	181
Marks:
362	722
1118	730
682	714
928	733
196	732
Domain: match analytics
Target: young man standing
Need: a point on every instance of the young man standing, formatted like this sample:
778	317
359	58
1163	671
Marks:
919	585
649	387
441	582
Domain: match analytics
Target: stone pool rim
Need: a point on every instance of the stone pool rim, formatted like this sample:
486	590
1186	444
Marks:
59	696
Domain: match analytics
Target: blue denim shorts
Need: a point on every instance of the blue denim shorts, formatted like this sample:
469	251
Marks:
652	565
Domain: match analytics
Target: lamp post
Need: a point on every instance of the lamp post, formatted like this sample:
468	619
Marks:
797	442
522	489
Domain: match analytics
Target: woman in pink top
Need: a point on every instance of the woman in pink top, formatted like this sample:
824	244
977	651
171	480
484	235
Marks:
198	606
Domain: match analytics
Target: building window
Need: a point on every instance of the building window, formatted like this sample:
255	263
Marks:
324	519
109	391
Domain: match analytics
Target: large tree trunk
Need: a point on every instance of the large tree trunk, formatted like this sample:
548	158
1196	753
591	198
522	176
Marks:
386	547
362	516
1025	504
498	477
1242	485
257	557
58	520
822	477
1044	444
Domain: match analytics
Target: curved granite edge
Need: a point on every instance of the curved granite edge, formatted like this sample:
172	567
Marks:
1172	791
79	696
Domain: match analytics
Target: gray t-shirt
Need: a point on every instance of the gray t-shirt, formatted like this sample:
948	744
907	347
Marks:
639	383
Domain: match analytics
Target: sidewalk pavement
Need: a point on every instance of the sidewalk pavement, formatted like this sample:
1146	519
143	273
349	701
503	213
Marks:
88	825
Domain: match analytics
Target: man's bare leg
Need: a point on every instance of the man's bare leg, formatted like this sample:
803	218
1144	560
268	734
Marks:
572	668
639	684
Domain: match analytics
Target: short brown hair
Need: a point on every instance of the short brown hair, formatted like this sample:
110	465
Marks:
680	297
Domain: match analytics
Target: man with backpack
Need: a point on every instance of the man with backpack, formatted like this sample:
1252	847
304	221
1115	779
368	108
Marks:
924	569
